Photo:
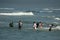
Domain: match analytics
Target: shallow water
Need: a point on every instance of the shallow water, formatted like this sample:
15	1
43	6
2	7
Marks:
7	33
47	11
15	34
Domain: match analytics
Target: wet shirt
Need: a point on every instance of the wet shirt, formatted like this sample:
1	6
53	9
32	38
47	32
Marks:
34	25
20	23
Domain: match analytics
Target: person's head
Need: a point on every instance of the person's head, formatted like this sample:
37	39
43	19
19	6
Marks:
52	24
19	20
34	22
40	22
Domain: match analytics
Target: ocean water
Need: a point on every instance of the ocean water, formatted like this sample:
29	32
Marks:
47	11
15	34
8	33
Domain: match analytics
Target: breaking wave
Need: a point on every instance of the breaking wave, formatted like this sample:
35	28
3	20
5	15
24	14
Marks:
46	9
57	18
17	13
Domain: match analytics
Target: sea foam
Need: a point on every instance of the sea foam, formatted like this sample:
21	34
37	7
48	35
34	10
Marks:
57	18
17	13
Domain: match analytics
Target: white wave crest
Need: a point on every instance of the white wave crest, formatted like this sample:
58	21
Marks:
57	18
48	16
17	13
56	9
58	27
46	11
7	8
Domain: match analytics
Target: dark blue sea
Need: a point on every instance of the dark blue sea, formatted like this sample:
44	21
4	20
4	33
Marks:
46	11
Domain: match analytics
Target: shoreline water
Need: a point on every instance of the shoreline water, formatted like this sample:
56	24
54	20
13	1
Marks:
8	33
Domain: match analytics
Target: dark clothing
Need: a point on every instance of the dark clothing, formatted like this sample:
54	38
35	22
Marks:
11	24
37	25
20	25
50	29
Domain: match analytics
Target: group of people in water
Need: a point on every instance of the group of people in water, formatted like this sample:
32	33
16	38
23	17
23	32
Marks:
35	25
40	25
19	24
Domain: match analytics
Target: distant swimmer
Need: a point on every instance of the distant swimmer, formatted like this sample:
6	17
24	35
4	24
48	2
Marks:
11	24
50	27
34	25
40	24
20	24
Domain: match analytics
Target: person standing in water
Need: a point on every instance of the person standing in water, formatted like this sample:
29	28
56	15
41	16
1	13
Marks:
20	24
40	24
34	25
11	24
50	27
